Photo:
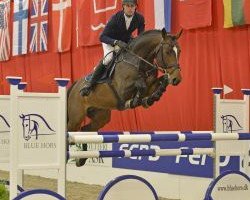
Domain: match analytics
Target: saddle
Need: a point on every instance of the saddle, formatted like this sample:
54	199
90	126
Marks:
121	55
107	74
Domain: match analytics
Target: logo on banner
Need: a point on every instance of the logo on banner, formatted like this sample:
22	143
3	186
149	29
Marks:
35	125
98	8
230	124
4	123
193	165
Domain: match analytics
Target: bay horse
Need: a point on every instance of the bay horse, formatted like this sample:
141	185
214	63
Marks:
148	54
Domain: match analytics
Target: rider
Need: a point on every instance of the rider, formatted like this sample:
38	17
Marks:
117	32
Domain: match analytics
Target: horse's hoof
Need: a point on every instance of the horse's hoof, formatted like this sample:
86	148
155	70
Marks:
81	162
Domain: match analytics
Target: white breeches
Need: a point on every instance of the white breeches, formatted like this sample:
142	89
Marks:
107	48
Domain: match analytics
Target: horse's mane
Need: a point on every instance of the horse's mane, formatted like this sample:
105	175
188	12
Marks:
142	35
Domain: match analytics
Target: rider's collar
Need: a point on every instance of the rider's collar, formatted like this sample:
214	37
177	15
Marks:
128	17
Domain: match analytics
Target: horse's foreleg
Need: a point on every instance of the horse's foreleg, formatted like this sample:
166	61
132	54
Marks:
141	89
155	91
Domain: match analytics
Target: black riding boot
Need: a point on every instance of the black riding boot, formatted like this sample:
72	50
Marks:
96	75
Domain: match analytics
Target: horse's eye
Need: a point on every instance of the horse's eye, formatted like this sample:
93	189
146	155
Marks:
26	125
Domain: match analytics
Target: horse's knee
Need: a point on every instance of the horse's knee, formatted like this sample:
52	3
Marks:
141	86
107	120
73	126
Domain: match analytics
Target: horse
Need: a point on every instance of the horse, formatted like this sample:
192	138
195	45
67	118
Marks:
134	81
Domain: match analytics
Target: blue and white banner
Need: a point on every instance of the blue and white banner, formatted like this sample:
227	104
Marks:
20	27
192	165
162	10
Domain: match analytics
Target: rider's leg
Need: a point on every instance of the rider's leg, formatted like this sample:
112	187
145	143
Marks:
98	70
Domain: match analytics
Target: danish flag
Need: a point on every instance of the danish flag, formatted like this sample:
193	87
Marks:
62	23
91	18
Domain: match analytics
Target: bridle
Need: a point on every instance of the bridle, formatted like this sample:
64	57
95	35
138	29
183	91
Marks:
155	65
159	49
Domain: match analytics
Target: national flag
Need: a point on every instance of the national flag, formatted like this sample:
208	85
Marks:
236	12
162	14
4	30
20	27
62	23
38	26
92	17
195	13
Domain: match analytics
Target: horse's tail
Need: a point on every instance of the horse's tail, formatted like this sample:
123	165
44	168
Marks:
68	93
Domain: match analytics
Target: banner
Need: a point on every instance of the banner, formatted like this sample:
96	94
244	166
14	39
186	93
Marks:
20	27
236	13
38	26
62	24
92	16
162	14
4	30
188	165
195	13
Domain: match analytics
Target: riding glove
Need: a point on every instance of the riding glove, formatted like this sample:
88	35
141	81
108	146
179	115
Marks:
120	44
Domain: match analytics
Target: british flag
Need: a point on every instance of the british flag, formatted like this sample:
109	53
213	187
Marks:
4	30
38	26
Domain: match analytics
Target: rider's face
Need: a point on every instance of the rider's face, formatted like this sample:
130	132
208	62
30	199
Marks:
129	9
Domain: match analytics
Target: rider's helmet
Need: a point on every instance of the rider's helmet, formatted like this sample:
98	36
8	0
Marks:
129	1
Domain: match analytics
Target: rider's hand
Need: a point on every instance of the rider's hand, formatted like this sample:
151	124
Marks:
121	44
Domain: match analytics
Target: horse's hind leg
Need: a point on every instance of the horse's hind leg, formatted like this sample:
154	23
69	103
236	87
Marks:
99	118
76	113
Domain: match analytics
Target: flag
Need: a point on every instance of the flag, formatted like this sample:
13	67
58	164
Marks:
92	17
62	23
226	89
162	14
38	26
4	30
195	13
20	27
236	13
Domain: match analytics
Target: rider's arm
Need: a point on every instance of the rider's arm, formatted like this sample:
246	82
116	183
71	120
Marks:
104	37
141	23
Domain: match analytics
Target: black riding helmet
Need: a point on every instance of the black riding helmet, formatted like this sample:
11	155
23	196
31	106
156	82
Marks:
129	1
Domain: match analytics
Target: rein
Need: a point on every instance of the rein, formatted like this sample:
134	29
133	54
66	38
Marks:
155	64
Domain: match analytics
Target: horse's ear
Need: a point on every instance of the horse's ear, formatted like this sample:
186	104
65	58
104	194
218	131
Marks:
164	33
178	35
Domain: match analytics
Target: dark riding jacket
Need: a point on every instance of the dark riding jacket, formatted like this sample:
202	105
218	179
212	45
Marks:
116	28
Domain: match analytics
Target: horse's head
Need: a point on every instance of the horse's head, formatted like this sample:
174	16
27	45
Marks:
29	126
167	55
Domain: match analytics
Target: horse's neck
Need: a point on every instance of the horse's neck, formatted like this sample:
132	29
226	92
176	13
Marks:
145	47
